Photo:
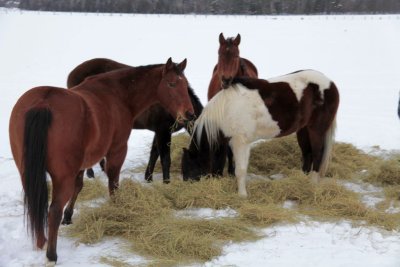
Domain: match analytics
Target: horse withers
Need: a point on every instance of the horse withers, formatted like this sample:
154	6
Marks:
304	102
155	119
62	132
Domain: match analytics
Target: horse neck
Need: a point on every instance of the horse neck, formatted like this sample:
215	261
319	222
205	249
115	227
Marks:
142	90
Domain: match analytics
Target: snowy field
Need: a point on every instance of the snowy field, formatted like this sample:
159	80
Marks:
360	53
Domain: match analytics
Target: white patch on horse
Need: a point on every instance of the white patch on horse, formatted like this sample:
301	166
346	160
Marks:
298	81
238	111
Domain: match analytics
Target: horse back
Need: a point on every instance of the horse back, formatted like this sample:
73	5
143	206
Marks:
248	69
294	101
90	68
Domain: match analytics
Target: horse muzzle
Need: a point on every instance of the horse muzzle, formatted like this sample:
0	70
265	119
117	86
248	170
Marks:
189	116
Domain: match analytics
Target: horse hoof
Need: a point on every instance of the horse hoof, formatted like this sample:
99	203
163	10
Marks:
243	194
50	263
66	221
166	181
315	177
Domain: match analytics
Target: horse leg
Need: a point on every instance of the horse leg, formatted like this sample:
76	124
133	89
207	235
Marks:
303	140
317	146
163	144
231	164
69	210
63	189
115	158
154	153
241	154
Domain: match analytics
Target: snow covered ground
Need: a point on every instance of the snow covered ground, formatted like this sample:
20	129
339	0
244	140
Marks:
360	53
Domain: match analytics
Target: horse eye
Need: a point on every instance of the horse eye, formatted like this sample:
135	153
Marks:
172	85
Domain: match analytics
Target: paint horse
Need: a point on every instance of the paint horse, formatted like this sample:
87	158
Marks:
62	132
155	119
230	65
304	102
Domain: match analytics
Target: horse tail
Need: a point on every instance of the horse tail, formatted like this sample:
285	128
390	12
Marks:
37	123
328	145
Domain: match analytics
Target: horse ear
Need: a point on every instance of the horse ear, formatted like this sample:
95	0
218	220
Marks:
169	64
182	65
237	40
221	39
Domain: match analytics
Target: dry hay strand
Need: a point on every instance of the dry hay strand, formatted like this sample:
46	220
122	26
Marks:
387	172
92	189
189	239
348	161
215	193
283	154
297	187
143	216
265	215
332	200
132	206
327	200
392	192
275	156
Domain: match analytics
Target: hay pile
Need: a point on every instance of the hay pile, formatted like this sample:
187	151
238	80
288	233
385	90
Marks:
145	215
283	154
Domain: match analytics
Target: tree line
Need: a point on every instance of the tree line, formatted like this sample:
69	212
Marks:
247	7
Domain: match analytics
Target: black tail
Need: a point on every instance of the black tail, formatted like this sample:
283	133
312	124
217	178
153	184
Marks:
37	123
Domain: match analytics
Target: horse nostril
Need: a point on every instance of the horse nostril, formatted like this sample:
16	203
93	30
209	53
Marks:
190	116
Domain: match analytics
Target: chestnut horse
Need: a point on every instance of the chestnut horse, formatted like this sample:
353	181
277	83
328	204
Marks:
303	102
62	132
155	119
230	65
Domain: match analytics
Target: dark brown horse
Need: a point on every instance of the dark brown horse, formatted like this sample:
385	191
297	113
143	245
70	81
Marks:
62	132
155	119
229	66
303	102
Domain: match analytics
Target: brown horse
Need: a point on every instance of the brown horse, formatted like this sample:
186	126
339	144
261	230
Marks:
155	119
62	132
229	66
304	102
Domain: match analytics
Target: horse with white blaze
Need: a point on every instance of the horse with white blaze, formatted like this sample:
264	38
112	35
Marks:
304	102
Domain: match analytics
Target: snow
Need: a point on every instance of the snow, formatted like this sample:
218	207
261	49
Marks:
360	53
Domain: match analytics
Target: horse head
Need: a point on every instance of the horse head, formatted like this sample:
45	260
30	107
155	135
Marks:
172	91
192	165
228	59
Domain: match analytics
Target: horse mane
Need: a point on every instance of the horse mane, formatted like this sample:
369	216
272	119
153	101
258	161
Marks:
212	117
